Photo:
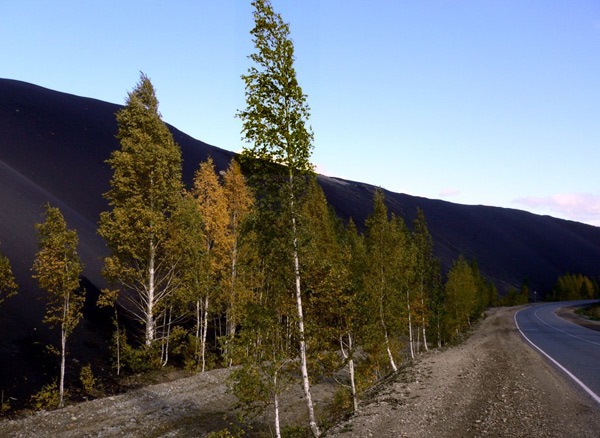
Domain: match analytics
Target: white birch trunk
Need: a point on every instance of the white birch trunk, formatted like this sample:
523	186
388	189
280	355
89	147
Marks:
204	332
63	352
385	333
198	327
410	331
150	334
276	407
348	355
303	356
423	315
168	337
231	323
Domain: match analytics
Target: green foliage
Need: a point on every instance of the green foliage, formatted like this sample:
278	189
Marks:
87	379
592	312
144	191
5	406
295	432
57	268
341	406
8	286
575	287
461	298
516	297
274	120
48	398
137	359
226	433
387	276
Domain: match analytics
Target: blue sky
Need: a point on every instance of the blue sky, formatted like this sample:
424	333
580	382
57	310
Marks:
493	102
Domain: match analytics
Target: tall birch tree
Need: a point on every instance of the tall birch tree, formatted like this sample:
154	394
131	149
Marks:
381	273
57	268
275	127
240	202
212	208
145	188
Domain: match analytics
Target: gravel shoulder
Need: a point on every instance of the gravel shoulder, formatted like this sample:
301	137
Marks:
493	384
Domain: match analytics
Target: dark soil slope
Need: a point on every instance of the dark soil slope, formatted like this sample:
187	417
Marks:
53	148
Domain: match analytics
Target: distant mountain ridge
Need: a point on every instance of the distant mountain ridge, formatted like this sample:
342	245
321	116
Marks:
53	147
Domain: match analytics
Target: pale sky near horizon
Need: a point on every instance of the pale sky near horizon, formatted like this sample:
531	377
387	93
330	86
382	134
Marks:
492	102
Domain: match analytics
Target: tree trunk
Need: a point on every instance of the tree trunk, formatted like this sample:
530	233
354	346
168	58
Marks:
63	352
166	355
385	334
231	323
410	331
303	356
198	328
118	342
150	304
423	323
276	407
348	355
204	332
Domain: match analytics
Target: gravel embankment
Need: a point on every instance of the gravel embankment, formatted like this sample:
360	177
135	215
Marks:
491	385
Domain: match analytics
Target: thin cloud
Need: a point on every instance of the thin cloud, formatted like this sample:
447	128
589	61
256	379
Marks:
449	193
581	207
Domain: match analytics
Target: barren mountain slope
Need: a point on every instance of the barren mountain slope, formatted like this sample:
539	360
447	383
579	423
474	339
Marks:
491	385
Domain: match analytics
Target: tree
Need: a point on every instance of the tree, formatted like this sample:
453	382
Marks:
424	270
212	208
57	268
274	123
8	286
240	202
145	188
461	297
381	276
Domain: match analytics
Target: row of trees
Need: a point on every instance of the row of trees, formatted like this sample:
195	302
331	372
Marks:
575	287
255	272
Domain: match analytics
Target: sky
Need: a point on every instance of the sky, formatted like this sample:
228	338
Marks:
492	102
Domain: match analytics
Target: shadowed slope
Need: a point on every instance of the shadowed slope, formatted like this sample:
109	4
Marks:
53	148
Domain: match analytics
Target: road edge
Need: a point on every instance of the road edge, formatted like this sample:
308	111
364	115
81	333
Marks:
591	393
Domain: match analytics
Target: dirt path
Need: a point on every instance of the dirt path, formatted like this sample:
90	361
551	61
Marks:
491	385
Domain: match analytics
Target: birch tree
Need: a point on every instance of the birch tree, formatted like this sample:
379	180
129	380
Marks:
212	208
240	202
8	286
424	270
145	187
380	278
460	297
57	268
275	127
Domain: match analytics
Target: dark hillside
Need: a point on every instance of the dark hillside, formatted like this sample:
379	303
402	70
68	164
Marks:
53	148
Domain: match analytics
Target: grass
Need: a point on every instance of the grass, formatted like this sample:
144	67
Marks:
592	312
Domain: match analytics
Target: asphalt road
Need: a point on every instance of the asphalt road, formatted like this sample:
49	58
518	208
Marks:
572	348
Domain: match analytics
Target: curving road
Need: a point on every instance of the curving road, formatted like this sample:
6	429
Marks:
574	349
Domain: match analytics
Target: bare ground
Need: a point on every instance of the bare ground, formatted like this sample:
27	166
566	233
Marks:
493	385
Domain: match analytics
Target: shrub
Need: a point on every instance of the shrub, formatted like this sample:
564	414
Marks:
48	398
86	376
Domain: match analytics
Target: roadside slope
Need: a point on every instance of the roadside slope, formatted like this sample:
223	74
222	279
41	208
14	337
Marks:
491	385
